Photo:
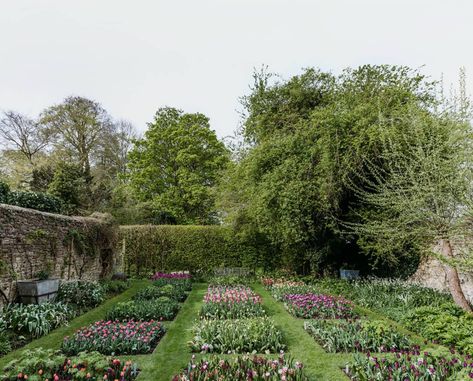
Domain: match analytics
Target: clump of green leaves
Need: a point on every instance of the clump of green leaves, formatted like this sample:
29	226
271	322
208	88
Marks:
154	309
81	294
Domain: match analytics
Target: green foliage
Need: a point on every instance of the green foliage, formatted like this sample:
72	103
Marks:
81	294
308	139
175	292
176	164
393	298
114	286
42	364
4	192
35	200
356	336
257	335
446	324
117	338
68	185
152	309
36	320
198	249
5	345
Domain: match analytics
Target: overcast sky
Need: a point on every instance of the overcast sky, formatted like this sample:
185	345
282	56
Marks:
198	55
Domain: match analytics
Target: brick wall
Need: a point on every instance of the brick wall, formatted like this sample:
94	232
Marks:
66	247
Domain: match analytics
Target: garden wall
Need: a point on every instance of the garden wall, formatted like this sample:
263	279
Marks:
149	248
431	273
66	247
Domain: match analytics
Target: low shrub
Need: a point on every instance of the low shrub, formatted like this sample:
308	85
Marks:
231	302
243	368
183	283
114	286
175	292
41	365
410	365
356	336
82	294
153	309
447	324
258	335
316	306
35	320
115	338
35	200
5	345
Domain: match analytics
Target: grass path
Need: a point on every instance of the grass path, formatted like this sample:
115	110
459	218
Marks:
54	339
318	364
172	353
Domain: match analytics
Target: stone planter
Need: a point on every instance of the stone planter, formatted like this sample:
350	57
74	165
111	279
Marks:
349	274
35	291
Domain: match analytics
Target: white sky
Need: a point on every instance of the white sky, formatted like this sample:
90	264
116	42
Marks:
198	55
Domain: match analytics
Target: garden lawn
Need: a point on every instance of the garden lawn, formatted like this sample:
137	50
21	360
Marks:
55	338
173	353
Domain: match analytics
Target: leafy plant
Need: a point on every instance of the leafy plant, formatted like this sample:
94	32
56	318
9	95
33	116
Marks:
41	365
4	192
356	336
243	368
36	320
114	286
115	338
35	200
446	324
258	335
83	294
176	292
154	309
410	365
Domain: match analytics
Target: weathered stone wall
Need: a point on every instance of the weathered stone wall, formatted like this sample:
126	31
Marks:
431	273
66	247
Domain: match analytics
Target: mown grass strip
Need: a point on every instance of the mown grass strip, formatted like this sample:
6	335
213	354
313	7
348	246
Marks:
54	339
172	353
318	364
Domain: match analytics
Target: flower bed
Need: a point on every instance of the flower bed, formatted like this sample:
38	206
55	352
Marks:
316	306
153	309
117	338
176	292
356	336
243	368
410	365
47	365
234	302
176	275
258	335
183	279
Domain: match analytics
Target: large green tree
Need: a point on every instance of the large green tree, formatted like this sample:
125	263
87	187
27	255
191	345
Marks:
307	139
176	165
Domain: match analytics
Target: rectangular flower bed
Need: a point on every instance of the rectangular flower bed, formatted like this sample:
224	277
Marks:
411	365
154	309
231	302
356	336
317	306
258	335
115	338
243	368
48	365
171	291
183	279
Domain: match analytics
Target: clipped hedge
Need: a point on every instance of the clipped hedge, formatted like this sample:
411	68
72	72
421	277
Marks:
198	249
35	200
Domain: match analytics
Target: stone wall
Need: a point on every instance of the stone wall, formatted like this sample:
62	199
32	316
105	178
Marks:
431	273
66	247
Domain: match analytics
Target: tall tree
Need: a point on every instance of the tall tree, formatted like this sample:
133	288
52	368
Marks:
24	134
176	165
423	193
78	125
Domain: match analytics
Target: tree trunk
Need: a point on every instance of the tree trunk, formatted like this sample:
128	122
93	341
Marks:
452	277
